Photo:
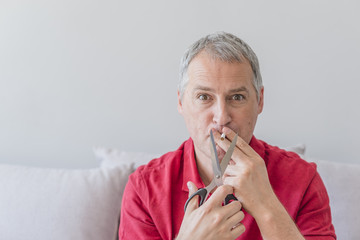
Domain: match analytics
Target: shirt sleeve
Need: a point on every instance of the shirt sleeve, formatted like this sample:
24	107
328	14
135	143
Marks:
314	216
135	221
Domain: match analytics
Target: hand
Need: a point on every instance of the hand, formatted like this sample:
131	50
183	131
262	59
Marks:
247	174
212	220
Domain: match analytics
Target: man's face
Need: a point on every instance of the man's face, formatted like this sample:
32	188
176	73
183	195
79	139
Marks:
219	94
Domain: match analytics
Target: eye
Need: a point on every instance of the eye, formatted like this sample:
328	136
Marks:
238	97
203	97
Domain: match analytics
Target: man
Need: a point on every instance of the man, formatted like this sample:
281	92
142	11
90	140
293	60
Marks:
280	195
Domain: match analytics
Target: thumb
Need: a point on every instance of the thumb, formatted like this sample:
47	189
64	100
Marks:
192	188
194	202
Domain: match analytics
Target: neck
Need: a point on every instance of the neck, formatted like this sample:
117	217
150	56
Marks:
204	167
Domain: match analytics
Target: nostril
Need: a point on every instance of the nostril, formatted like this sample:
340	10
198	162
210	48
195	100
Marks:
218	127
222	120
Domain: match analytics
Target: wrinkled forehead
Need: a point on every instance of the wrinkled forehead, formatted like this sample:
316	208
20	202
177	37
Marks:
213	55
204	68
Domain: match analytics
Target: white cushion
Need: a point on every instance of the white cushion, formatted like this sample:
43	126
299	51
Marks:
299	149
342	182
112	157
56	204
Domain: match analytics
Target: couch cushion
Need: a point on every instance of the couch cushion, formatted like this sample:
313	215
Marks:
342	182
61	204
110	157
300	149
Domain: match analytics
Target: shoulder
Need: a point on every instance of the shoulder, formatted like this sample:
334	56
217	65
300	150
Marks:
163	163
293	179
167	165
287	169
278	158
161	175
299	188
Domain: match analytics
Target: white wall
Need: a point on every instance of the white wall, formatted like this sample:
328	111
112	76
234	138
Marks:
83	73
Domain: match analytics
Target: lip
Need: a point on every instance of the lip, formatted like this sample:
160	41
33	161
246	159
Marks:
220	129
213	129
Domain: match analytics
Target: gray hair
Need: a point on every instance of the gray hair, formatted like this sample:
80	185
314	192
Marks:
227	48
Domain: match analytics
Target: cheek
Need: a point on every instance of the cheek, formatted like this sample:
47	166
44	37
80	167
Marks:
200	115
198	124
244	123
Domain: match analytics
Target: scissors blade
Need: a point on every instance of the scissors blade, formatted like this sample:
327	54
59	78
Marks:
215	161
227	157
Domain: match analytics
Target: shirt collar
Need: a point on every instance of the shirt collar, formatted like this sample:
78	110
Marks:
258	146
191	172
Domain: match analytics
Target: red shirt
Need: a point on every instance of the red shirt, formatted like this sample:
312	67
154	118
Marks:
154	197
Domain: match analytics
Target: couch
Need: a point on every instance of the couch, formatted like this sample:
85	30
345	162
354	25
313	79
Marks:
54	204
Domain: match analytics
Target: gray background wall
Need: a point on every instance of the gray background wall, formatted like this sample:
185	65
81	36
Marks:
83	73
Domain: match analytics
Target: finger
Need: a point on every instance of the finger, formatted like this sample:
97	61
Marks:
234	182
237	230
225	144
233	170
240	143
217	198
192	188
231	181
232	208
230	134
235	219
194	202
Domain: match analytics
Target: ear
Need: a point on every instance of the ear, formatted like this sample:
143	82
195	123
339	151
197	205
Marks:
179	104
261	100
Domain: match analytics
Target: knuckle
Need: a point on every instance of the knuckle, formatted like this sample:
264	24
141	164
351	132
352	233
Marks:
250	168
237	204
217	218
242	215
247	171
243	144
204	210
243	228
252	165
224	189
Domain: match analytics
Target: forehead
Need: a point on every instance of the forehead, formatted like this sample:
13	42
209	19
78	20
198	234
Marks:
210	72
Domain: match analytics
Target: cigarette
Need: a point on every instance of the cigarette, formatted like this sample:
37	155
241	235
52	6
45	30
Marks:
222	137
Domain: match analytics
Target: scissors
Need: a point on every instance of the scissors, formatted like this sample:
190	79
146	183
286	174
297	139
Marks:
218	170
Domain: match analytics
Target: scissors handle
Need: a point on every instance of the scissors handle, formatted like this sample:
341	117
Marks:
230	198
202	192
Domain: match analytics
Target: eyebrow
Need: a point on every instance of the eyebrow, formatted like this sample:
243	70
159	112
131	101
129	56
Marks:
240	89
203	88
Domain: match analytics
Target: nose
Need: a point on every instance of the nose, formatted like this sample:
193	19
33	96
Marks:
221	114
